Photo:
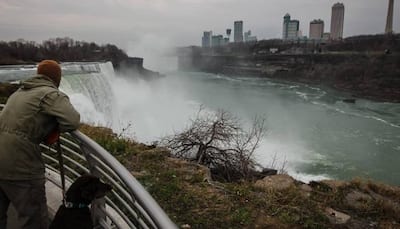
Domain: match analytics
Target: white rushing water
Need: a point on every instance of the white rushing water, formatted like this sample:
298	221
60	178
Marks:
312	129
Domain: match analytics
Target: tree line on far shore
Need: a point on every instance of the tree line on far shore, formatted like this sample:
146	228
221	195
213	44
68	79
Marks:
61	49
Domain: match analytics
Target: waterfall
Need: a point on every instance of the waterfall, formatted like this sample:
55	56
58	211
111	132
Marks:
89	87
129	106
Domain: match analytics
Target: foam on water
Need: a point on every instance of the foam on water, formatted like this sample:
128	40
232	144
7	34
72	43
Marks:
306	178
346	112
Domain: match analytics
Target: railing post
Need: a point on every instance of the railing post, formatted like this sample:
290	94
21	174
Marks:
98	204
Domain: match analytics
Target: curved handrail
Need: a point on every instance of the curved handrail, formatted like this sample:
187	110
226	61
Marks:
129	205
159	217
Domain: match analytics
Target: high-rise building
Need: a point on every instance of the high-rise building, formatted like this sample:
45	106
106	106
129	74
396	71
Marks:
206	39
217	40
286	20
290	28
337	21
316	29
389	20
238	31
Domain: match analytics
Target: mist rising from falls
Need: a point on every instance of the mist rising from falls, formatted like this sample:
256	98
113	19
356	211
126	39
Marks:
130	106
149	110
154	109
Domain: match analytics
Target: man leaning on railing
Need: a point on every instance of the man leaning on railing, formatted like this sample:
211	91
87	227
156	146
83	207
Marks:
37	112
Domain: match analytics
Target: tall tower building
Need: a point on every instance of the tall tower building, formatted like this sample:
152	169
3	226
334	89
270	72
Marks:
389	20
238	31
286	20
206	39
290	28
337	21
316	29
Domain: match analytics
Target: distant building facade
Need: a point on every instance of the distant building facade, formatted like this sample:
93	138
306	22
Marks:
226	40
248	37
337	21
316	29
326	36
238	31
290	28
206	39
228	34
217	40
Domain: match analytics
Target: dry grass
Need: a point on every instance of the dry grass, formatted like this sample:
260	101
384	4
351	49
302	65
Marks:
185	192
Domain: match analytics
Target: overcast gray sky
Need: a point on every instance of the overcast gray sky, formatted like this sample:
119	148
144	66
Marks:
128	23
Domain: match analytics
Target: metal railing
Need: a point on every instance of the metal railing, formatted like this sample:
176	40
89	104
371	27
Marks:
128	205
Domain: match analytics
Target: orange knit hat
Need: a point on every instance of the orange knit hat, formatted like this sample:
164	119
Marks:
51	69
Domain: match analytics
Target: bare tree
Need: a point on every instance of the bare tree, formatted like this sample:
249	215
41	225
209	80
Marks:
218	141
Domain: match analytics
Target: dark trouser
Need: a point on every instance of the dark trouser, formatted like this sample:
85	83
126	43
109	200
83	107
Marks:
29	199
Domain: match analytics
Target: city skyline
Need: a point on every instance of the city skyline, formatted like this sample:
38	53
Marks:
133	23
291	27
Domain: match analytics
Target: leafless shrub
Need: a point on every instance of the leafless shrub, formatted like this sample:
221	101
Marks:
218	141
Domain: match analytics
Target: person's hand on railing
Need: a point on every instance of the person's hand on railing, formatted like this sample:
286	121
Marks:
52	137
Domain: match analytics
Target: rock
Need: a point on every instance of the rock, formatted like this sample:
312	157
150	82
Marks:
336	217
191	170
334	184
257	175
306	190
357	199
277	182
269	172
186	226
320	186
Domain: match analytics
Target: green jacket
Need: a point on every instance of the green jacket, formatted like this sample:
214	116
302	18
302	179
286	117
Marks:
31	113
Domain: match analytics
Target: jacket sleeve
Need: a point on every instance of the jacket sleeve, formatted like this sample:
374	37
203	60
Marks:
57	104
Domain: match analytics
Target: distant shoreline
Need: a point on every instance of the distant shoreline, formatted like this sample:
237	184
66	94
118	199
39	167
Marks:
364	66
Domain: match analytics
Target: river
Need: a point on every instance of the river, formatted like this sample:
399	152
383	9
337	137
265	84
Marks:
318	134
310	129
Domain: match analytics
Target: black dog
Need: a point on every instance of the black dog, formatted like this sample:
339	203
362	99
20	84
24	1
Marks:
75	213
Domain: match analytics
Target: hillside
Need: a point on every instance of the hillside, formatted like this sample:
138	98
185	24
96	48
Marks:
192	200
